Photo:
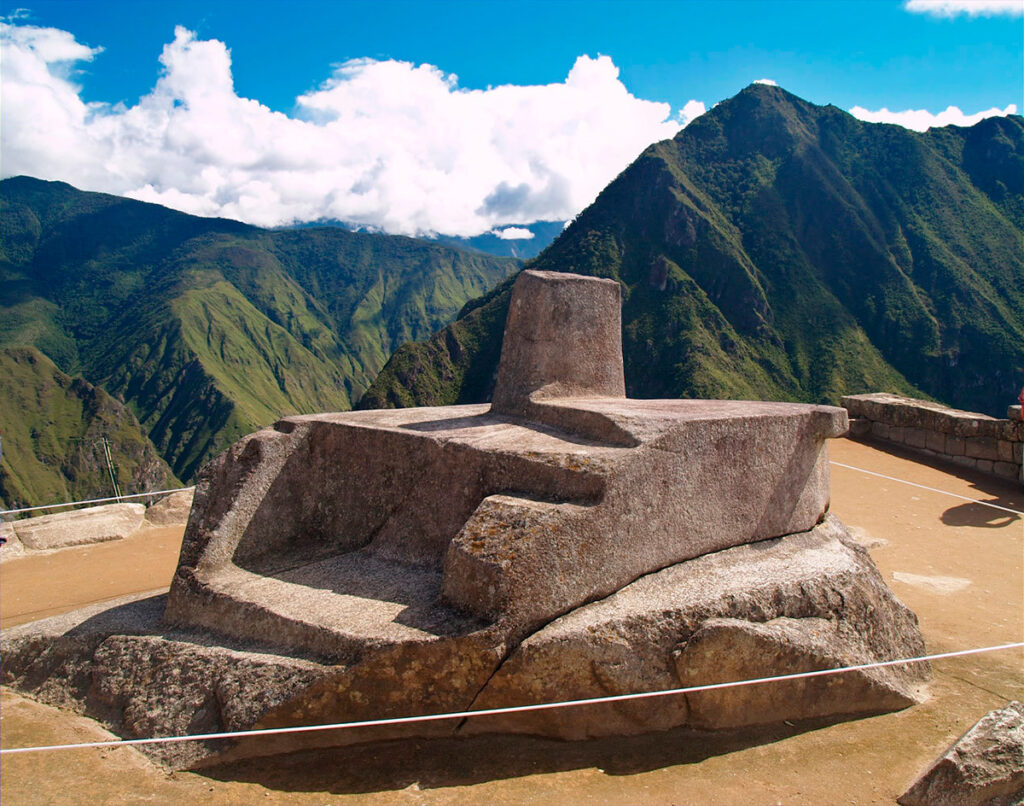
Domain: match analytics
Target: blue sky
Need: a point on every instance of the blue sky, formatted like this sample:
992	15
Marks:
119	119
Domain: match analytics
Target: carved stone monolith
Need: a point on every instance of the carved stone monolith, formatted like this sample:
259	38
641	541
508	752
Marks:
564	542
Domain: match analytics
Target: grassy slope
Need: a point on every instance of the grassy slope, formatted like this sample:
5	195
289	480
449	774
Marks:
52	426
775	249
207	328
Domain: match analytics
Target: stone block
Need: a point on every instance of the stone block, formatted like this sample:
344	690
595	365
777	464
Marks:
984	767
1014	413
91	525
1007	470
965	461
985	465
691	624
172	509
1018	452
880	430
1005	450
936	441
915	437
729	649
897	433
982	448
966	427
990	427
954	445
860	427
563	338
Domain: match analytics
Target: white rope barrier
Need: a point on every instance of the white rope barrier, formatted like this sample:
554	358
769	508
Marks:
513	709
930	489
93	501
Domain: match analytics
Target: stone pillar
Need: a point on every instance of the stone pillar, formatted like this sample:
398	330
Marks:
563	338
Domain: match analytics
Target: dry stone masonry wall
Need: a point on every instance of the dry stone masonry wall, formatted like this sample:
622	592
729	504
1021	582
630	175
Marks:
967	438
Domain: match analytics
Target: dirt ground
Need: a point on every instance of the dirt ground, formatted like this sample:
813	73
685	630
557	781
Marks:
959	566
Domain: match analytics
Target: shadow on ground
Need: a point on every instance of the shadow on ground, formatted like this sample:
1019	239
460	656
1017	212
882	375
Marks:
452	762
979	515
989	489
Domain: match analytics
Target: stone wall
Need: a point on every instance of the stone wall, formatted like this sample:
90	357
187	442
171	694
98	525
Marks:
964	437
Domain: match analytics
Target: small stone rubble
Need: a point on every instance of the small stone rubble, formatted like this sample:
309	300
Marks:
563	543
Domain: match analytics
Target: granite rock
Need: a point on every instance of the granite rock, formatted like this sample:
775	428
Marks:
984	767
11	546
90	525
171	510
564	543
798	603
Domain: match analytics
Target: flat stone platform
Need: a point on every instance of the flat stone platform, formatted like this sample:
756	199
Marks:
352	530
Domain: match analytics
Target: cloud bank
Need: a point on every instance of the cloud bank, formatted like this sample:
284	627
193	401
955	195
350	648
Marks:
384	144
972	8
921	119
387	145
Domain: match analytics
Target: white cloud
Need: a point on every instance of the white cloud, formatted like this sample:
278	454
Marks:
921	119
972	8
384	144
513	234
767	81
690	111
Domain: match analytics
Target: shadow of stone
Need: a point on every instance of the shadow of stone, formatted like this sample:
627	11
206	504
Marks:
465	761
980	515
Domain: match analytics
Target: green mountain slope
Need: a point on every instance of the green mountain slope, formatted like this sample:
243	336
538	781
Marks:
777	249
208	329
53	428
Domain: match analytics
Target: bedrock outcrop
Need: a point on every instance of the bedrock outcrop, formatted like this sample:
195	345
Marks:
806	601
563	543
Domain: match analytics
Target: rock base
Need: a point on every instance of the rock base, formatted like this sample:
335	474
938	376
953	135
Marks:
796	603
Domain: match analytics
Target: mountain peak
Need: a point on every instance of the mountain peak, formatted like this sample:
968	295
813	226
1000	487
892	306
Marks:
779	249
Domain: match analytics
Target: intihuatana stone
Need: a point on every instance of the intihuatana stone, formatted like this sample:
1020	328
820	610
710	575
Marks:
564	542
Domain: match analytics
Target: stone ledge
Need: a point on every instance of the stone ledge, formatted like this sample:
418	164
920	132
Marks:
966	438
